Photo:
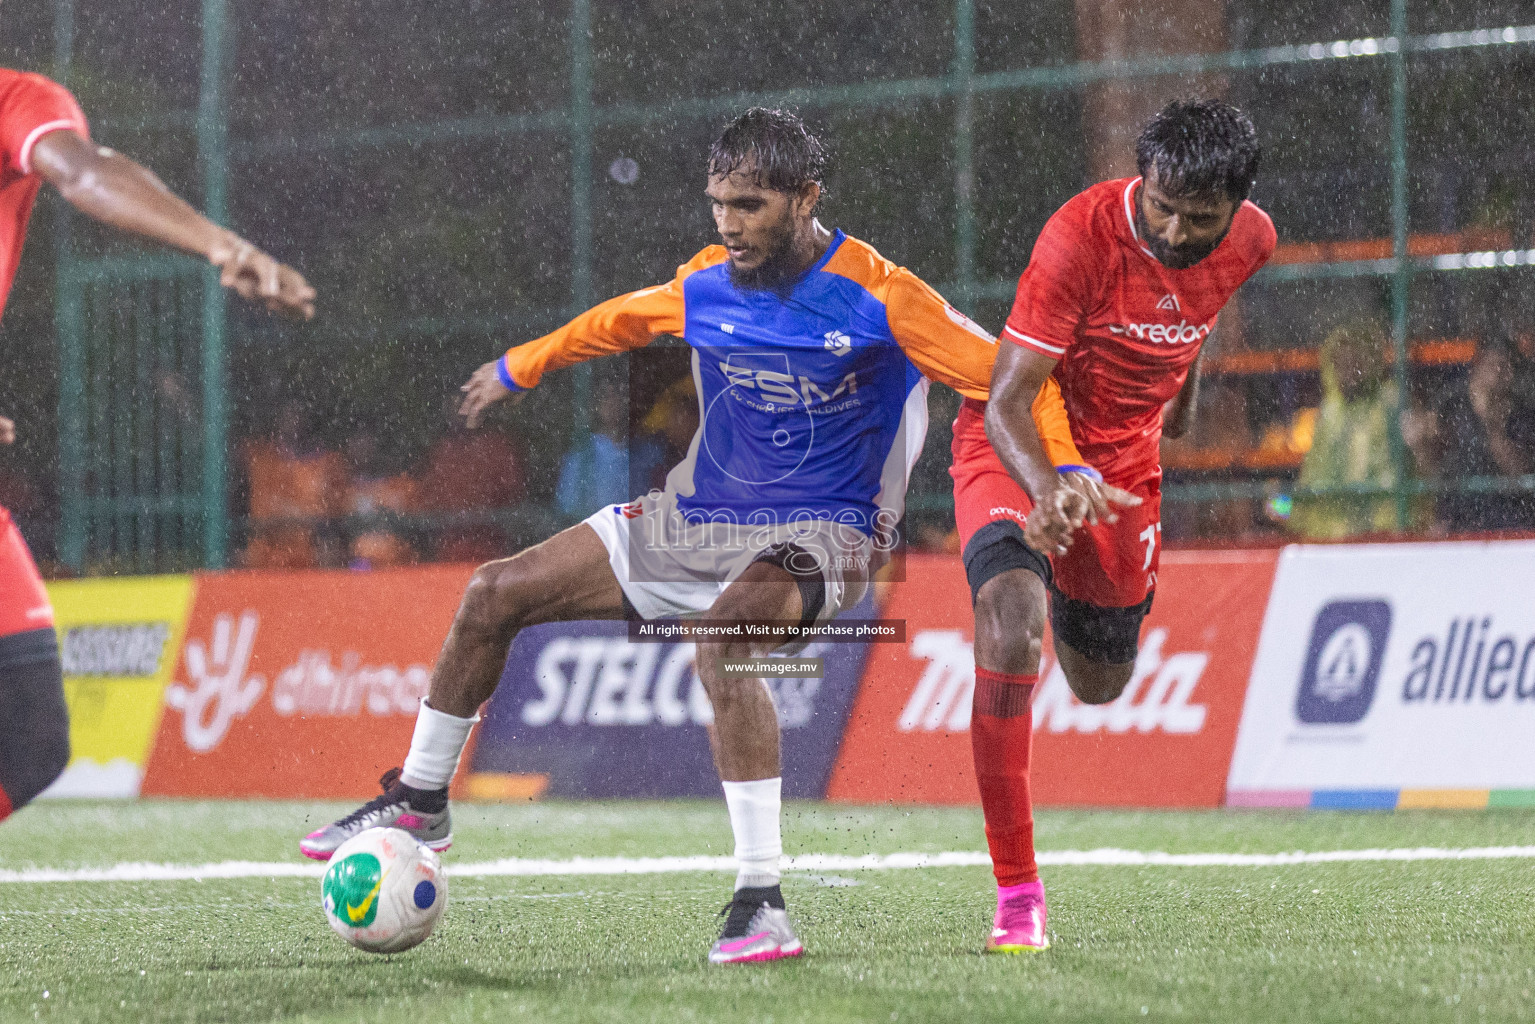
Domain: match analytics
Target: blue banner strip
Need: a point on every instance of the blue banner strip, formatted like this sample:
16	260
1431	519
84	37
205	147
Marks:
1354	799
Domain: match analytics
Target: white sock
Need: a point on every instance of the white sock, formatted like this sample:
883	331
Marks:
754	813
435	748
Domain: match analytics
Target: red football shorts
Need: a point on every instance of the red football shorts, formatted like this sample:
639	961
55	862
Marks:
24	603
1108	565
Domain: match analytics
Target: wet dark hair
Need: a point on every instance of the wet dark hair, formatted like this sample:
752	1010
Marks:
1200	148
785	154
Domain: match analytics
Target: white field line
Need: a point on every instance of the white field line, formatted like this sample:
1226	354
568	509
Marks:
517	867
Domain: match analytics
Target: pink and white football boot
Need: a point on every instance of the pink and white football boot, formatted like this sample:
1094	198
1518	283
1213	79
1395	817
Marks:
1019	926
422	813
756	929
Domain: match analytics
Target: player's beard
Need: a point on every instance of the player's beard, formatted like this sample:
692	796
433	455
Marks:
1174	257
778	268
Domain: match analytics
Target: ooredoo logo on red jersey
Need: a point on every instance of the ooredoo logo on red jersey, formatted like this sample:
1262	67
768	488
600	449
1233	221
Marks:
1180	333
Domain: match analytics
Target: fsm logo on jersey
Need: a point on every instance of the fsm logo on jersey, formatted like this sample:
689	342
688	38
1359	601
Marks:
1342	667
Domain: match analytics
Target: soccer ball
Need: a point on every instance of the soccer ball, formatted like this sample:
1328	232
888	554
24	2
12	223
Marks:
384	891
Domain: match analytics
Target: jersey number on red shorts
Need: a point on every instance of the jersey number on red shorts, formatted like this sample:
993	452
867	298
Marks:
1149	535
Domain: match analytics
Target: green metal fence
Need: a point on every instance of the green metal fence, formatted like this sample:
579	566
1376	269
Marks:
127	505
132	477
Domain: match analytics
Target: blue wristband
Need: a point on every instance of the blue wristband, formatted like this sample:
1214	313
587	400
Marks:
506	378
1087	471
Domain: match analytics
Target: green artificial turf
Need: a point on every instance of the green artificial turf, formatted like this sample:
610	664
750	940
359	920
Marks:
1399	942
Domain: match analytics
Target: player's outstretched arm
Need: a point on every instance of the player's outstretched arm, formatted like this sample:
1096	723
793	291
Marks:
115	190
620	324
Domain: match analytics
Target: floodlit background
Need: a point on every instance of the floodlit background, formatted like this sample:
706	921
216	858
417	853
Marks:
459	177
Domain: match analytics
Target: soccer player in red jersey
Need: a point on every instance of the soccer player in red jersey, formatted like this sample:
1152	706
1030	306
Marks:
1121	291
44	137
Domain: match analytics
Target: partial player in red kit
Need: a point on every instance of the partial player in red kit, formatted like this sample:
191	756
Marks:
44	138
1121	291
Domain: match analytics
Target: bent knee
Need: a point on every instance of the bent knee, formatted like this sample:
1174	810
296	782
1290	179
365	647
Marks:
711	659
1010	618
493	600
1098	684
723	687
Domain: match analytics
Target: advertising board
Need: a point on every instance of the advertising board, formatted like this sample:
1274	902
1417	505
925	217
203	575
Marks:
584	711
300	685
1166	742
1393	675
118	640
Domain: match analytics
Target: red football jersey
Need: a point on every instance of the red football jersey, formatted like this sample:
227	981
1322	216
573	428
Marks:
31	106
1125	328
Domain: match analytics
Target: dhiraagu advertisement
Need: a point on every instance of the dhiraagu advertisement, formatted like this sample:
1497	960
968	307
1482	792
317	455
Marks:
119	640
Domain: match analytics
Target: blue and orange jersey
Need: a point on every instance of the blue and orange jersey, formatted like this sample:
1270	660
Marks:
812	402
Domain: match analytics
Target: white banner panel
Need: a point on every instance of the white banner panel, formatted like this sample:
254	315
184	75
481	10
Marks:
1394	666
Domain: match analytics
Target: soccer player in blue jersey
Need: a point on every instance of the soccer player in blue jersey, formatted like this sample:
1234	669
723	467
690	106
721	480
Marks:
811	357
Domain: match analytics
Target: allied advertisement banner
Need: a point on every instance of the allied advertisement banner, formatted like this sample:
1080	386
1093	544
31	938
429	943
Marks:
301	684
1166	742
1393	668
118	639
583	711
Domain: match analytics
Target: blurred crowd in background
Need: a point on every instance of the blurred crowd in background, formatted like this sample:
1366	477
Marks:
1469	417
310	505
1467	429
419	169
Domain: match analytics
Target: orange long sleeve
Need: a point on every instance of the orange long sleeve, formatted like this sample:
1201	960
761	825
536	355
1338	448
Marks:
949	347
1054	427
618	325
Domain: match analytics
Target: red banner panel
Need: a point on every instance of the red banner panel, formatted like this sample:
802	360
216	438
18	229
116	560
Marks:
300	684
1166	742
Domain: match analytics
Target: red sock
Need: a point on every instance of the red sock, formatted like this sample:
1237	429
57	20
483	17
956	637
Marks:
1001	733
5	804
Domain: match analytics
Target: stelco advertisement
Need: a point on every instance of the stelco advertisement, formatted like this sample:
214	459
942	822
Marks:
582	711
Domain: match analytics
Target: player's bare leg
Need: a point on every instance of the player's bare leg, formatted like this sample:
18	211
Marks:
1009	628
744	736
745	740
1010	622
1093	682
566	577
